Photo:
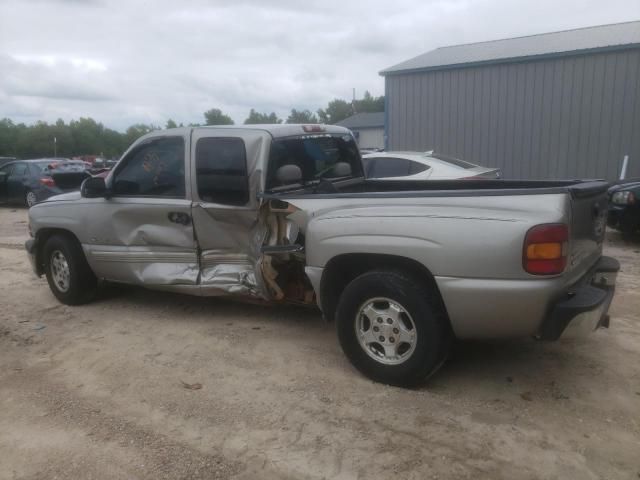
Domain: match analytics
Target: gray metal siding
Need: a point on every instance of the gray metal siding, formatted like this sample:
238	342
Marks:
565	117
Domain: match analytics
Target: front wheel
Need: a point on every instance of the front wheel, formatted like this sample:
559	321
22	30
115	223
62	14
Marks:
69	276
392	328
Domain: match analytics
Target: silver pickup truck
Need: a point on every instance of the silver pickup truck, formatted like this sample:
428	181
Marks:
283	213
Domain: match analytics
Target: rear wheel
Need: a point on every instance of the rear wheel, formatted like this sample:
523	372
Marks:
392	329
69	276
30	199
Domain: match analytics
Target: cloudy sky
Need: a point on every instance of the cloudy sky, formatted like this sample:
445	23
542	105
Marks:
129	61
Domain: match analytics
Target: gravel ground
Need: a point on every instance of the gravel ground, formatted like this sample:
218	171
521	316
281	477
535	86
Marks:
147	385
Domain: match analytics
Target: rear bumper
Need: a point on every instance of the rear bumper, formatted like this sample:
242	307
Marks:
585	306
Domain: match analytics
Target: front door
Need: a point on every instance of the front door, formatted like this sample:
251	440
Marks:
5	171
16	189
144	232
225	211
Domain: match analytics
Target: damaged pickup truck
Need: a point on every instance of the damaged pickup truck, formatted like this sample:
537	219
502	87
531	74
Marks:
283	213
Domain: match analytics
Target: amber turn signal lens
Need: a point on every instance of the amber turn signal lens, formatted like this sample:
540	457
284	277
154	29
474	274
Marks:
544	251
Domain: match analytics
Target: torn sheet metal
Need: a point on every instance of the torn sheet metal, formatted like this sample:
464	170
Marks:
230	242
233	273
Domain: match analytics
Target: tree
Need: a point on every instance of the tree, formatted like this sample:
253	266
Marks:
134	132
257	118
336	110
171	124
8	137
339	109
369	103
216	117
301	116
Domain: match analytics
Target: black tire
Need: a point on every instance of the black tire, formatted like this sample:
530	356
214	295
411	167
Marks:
628	225
432	330
82	283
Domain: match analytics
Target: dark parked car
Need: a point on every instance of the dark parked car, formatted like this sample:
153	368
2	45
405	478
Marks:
624	206
27	182
101	165
4	160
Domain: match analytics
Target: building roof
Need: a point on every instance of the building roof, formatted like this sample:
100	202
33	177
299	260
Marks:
363	120
567	42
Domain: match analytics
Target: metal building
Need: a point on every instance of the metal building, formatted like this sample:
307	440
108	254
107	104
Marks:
562	104
367	127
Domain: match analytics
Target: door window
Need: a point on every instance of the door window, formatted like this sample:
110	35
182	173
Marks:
388	167
221	170
153	169
384	167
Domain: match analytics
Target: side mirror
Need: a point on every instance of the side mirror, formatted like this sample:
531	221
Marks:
93	187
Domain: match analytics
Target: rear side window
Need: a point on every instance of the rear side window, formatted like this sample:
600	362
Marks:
19	170
221	171
415	167
153	169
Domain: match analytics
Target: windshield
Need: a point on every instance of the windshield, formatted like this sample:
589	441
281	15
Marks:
317	156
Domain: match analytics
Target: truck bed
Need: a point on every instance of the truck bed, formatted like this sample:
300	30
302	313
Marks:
361	188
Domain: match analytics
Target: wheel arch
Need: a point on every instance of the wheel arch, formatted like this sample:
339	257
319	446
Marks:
45	234
342	269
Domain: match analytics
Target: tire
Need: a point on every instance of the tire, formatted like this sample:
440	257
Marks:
628	225
30	198
69	276
414	357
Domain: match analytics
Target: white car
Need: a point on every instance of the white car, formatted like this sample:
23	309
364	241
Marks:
423	166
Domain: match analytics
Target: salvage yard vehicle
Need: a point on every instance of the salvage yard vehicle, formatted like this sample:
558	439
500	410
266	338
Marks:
283	213
29	181
423	166
624	206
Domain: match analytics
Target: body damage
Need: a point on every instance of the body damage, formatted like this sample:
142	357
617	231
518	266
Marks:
277	247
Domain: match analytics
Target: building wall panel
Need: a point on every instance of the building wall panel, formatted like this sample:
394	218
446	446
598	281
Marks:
564	117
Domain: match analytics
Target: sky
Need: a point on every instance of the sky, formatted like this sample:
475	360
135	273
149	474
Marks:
133	61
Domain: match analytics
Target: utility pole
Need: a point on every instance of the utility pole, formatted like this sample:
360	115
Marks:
353	101
55	147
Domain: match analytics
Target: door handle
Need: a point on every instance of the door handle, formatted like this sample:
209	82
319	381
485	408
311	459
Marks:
180	218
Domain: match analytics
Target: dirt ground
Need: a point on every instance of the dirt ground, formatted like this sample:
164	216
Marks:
100	391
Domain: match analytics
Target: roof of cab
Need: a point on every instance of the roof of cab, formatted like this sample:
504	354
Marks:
282	129
278	130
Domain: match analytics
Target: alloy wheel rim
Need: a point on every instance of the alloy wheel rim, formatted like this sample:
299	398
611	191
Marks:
31	199
386	331
60	272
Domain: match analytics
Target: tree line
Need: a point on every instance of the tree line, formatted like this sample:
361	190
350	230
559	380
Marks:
89	137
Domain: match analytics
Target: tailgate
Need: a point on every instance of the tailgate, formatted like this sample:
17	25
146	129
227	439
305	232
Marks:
589	205
69	180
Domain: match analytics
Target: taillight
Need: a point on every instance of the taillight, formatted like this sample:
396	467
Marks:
545	249
47	181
